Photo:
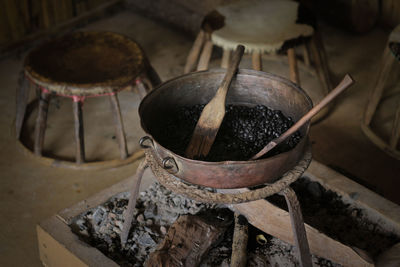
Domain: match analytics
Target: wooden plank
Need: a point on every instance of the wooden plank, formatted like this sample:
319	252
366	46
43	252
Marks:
57	29
276	222
66	215
377	208
59	247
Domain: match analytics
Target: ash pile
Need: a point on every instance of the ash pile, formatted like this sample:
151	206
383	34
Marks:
157	209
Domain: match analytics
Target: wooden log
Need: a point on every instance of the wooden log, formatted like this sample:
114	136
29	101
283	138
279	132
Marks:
119	126
276	222
41	121
79	138
194	52
186	242
294	71
239	243
256	61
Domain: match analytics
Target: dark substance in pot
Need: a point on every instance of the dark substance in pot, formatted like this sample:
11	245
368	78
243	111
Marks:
244	132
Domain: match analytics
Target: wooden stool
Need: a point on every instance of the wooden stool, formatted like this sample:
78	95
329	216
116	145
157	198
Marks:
377	96
79	66
262	27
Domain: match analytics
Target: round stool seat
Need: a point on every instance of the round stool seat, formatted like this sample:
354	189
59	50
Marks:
85	63
262	26
81	65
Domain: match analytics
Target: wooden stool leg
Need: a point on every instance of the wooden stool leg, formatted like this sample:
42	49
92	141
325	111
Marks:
142	90
294	71
377	90
299	230
22	100
205	55
394	137
194	52
226	57
119	126
153	77
256	61
41	121
128	214
321	63
79	139
306	54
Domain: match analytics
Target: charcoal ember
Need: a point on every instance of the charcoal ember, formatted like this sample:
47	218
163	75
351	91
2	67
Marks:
244	132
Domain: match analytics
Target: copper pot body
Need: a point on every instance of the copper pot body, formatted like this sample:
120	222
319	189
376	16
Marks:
248	88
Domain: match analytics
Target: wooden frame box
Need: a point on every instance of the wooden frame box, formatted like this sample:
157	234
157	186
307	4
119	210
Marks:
59	246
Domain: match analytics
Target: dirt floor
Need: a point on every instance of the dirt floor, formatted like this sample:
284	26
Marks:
31	191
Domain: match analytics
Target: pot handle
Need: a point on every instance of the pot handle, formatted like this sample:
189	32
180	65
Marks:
144	139
170	165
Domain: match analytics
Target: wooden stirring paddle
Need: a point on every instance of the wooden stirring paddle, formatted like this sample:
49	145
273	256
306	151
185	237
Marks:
345	83
213	113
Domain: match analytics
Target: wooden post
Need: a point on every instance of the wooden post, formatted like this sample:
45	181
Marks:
194	52
256	61
376	92
79	139
299	231
226	56
239	243
119	126
22	97
205	54
41	121
294	71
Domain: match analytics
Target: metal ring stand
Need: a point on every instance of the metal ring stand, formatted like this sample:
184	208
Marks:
203	194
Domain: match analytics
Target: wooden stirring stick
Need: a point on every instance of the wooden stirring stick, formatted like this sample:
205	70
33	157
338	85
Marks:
213	113
345	83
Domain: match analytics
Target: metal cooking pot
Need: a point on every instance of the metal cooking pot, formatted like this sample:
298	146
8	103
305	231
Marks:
248	88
